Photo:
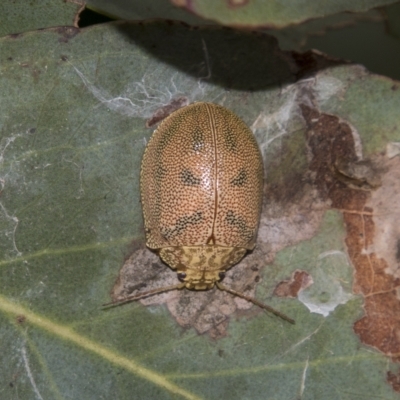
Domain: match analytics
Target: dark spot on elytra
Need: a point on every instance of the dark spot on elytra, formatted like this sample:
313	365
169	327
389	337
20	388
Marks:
188	179
240	179
181	225
230	140
160	172
197	140
240	224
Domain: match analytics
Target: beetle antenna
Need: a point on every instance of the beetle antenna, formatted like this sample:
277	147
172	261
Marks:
256	302
144	294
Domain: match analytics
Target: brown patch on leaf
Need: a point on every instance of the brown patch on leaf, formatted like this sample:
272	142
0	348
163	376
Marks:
309	63
166	110
377	268
206	311
364	174
66	33
291	287
386	210
394	380
329	141
370	217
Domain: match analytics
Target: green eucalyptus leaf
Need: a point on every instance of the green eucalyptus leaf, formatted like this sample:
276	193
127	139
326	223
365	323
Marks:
17	16
73	131
274	13
142	10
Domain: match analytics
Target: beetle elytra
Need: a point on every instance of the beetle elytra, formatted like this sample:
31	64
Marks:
201	189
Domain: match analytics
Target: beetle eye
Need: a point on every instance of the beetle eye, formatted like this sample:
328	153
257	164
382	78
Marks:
221	275
181	276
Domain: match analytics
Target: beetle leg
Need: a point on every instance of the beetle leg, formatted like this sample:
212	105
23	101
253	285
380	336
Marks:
144	294
256	302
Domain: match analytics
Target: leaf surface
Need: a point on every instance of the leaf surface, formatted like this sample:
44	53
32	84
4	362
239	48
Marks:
274	13
73	131
18	16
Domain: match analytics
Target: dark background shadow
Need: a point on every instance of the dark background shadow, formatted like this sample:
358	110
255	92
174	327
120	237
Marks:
238	60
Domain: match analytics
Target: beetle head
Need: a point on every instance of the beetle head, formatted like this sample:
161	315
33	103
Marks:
199	267
195	279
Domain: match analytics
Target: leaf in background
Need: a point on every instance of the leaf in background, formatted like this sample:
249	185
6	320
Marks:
141	10
393	16
274	13
22	16
73	131
361	37
296	37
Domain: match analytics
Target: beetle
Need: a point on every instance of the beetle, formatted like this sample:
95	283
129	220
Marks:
201	186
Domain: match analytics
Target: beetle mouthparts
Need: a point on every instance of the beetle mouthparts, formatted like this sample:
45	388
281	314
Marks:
200	285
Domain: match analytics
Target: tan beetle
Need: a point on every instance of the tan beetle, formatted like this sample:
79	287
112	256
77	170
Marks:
201	188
